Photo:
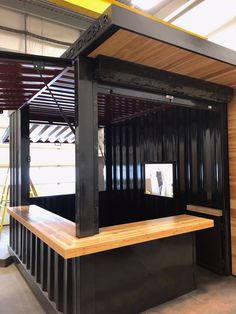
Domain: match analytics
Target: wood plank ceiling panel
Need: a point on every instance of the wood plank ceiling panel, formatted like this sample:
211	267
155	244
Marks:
136	48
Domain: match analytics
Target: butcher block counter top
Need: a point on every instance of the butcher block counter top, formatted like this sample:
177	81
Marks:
59	233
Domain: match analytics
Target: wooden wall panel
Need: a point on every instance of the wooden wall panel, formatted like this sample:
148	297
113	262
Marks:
232	175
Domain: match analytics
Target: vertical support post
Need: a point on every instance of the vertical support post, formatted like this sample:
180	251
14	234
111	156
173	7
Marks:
86	141
108	141
19	157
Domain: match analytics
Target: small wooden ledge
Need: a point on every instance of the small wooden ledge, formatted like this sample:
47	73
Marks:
59	233
205	210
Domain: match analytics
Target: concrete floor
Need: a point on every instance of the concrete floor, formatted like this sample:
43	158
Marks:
4	240
15	295
215	295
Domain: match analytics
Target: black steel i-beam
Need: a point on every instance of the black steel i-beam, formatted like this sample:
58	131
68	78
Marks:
119	73
86	140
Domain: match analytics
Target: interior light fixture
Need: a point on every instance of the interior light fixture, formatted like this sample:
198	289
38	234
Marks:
145	4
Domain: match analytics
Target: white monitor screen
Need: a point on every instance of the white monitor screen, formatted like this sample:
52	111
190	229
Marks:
159	179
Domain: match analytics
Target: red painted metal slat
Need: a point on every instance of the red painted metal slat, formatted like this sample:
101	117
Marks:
19	80
21	84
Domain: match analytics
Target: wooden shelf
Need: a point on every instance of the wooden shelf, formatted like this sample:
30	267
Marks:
59	233
205	210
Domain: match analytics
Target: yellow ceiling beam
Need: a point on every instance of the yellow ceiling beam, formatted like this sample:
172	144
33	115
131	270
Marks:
94	8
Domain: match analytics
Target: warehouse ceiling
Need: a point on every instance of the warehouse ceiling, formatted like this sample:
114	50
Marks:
218	18
50	11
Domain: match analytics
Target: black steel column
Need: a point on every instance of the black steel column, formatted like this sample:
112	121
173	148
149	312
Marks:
19	157
86	150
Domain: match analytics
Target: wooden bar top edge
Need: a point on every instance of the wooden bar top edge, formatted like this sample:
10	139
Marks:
205	210
59	233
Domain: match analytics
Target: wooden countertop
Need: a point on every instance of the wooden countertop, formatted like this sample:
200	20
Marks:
59	233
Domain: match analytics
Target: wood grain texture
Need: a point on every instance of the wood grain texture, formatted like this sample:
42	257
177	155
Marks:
136	48
205	210
59	233
232	176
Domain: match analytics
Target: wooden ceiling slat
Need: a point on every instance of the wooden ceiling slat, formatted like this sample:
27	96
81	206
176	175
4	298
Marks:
132	47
